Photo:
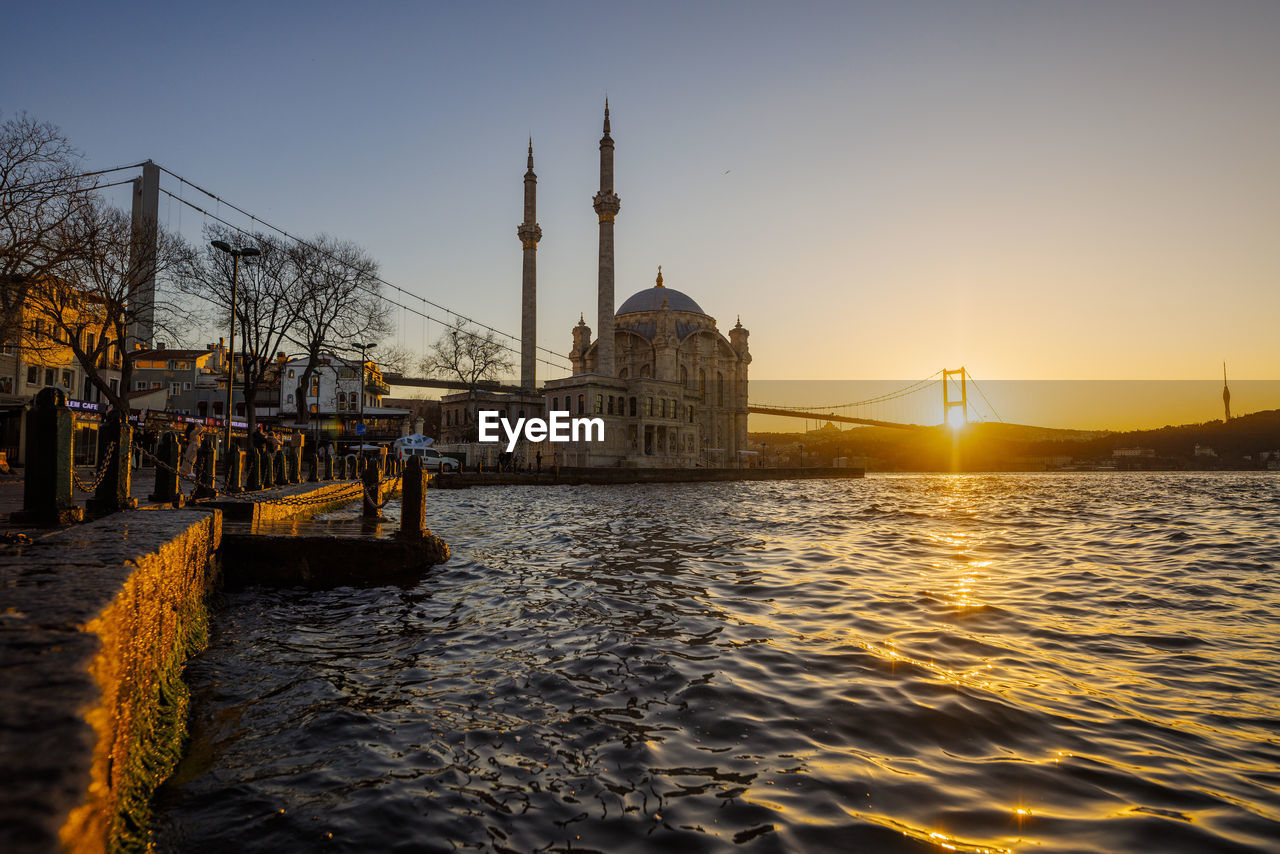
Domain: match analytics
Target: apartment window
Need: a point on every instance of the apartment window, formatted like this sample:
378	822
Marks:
6	385
291	373
175	388
48	376
140	385
88	342
6	349
33	375
173	365
186	386
115	386
315	386
315	407
156	385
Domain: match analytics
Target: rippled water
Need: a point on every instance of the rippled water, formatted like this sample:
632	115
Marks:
920	663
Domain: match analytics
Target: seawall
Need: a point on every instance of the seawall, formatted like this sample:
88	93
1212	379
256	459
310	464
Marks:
96	622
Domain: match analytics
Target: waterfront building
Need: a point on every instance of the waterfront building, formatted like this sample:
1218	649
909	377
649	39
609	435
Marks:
336	397
36	355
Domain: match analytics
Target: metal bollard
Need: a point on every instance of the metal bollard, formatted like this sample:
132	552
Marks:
114	451
268	476
207	465
372	490
280	467
234	482
47	497
313	467
293	460
413	504
328	466
255	470
168	453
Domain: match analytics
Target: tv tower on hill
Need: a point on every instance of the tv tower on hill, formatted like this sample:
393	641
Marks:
1226	393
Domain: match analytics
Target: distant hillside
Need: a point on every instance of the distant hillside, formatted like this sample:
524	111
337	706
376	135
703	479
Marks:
1001	447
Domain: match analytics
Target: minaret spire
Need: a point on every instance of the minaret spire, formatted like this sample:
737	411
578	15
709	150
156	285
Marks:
1226	394
606	205
529	233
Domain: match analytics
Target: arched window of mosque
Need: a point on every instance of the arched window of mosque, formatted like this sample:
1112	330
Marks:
582	404
719	389
622	375
598	406
633	407
664	407
702	384
691	413
684	376
645	372
610	404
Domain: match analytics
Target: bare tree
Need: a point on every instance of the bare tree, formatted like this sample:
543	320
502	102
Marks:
99	288
395	359
337	302
464	353
266	304
41	192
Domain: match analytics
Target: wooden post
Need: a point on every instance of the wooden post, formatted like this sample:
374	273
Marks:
47	496
206	465
168	454
372	489
234	482
413	504
114	451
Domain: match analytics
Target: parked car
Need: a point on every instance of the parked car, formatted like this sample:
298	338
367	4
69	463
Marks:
432	460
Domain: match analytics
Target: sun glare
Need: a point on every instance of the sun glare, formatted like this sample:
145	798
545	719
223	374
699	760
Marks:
956	419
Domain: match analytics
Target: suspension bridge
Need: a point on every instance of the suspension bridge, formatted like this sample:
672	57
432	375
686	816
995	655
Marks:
887	409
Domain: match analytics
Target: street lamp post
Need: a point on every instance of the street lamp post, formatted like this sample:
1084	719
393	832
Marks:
236	255
363	348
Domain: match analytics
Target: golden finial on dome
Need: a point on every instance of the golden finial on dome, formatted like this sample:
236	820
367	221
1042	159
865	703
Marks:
659	283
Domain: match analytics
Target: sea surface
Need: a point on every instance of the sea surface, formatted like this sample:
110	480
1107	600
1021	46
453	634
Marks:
923	663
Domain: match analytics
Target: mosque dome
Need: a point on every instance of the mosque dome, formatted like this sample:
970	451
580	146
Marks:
651	299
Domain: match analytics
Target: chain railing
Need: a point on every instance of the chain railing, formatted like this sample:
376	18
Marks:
98	475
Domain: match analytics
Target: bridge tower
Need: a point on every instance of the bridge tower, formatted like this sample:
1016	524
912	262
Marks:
529	233
142	260
949	403
607	204
1226	394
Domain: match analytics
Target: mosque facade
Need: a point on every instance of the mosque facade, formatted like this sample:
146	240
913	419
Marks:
670	386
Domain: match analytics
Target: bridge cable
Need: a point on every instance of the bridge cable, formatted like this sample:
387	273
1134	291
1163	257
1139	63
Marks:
306	243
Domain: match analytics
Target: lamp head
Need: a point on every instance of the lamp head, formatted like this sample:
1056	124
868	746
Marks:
221	244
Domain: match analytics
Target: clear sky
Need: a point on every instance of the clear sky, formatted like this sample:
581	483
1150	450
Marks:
1036	190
